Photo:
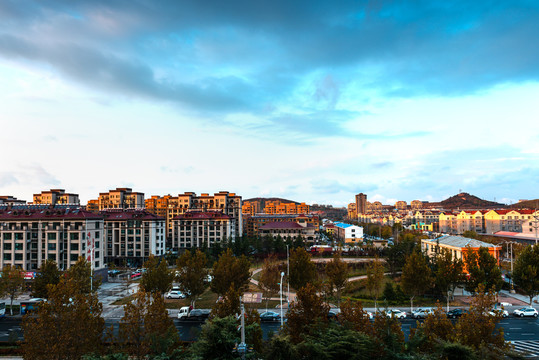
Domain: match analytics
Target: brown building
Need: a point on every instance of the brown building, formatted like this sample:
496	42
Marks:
361	203
252	224
120	198
352	211
201	228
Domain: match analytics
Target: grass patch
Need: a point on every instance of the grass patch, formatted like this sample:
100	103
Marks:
124	301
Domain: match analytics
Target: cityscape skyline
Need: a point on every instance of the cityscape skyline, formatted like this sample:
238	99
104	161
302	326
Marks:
307	101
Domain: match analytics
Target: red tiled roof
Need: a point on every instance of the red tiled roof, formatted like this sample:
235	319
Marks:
281	225
202	215
45	214
129	214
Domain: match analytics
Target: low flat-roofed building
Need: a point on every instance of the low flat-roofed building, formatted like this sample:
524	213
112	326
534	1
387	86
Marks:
288	229
457	245
349	233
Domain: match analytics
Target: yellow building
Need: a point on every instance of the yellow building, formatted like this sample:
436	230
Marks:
352	212
416	204
120	198
56	196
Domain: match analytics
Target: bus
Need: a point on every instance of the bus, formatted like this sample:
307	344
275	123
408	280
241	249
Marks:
30	305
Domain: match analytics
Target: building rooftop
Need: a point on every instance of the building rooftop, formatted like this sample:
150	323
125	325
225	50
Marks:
460	241
202	215
281	225
28	213
129	214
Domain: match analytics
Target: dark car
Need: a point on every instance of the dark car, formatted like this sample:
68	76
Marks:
270	316
455	313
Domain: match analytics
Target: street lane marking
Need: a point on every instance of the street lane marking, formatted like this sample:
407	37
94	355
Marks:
515	328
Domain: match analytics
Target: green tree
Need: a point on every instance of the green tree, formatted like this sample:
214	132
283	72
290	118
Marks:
483	269
11	283
192	274
337	273
416	276
302	269
470	234
228	270
269	278
397	254
449	272
67	326
82	275
158	277
307	311
526	271
47	274
375	278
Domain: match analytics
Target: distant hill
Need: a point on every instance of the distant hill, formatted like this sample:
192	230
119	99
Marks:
262	201
468	201
528	204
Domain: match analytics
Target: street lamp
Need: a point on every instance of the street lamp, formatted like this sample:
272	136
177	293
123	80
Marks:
281	292
288	277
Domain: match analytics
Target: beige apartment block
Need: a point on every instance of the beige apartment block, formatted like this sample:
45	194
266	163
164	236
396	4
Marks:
202	228
120	198
30	235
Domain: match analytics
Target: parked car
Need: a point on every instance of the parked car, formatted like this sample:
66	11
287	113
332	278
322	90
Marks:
501	312
422	313
455	313
270	316
174	294
525	311
504	304
399	314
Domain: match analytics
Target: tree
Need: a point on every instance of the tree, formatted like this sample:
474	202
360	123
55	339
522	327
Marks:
82	275
375	277
308	310
483	269
477	327
158	277
337	273
270	276
228	305
449	272
302	269
228	270
67	326
416	276
48	274
526	271
352	316
470	234
397	254
146	329
11	283
192	274
436	327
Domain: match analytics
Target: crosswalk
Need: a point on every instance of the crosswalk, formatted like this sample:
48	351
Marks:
528	347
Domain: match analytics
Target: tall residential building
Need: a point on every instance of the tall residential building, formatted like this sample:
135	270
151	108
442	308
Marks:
202	228
226	202
250	207
31	234
158	205
132	235
56	196
416	205
361	203
352	212
401	205
120	198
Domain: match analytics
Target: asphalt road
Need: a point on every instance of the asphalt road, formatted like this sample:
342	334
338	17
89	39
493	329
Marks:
515	329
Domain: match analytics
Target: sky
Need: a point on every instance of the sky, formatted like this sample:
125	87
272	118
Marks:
313	101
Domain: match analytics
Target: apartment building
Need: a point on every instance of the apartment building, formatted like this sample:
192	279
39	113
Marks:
416	205
361	203
254	223
352	211
132	235
250	208
10	200
202	228
348	233
289	230
30	234
158	205
120	198
401	205
55	197
226	202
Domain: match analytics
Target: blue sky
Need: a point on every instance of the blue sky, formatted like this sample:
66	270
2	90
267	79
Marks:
309	100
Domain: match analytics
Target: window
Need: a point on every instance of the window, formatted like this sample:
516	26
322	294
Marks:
52	257
74	246
18	256
96	244
73	257
7	236
97	234
7	246
18	246
74	236
52	246
51	236
18	236
7	256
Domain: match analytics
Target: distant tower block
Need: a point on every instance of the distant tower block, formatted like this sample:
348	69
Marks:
361	203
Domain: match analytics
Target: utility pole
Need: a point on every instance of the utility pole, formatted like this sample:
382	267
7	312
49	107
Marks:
281	292
242	347
288	277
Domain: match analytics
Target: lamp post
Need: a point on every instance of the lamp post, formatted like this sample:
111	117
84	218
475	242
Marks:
281	292
288	277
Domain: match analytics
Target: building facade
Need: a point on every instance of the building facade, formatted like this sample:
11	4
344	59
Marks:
120	198
252	224
10	200
288	230
361	203
132	235
348	233
32	234
202	228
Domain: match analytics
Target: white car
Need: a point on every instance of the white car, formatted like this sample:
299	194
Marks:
525	311
422	313
495	312
396	313
175	295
